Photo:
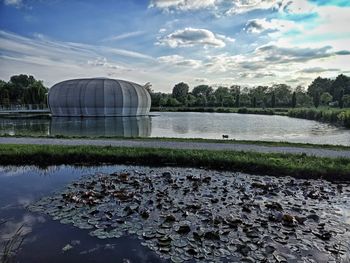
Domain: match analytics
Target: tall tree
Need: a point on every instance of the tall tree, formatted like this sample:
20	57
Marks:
316	100
237	100
318	86
221	94
202	90
294	100
326	98
254	102
273	100
341	83
341	100
180	92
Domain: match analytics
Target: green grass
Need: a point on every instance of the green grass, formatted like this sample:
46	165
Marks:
335	116
296	165
242	110
200	140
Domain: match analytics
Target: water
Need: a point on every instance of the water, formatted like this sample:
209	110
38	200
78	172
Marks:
45	238
186	125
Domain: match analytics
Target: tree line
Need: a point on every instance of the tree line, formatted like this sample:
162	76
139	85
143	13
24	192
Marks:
25	89
21	90
321	92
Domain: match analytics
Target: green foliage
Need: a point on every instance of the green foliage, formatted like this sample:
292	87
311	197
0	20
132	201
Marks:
336	116
326	98
346	100
180	91
22	89
294	100
273	100
297	165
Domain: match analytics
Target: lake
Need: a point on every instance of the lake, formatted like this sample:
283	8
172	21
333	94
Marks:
147	214
186	125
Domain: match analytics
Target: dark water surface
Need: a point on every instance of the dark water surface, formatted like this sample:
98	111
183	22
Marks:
186	125
325	206
44	237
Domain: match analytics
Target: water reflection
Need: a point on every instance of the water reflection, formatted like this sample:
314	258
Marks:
185	125
113	126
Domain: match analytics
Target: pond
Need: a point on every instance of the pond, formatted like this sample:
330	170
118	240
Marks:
148	214
186	125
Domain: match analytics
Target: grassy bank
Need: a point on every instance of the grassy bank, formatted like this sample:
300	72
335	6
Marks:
335	116
300	166
261	111
188	140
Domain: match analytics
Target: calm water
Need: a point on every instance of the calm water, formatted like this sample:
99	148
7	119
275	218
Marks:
186	125
45	238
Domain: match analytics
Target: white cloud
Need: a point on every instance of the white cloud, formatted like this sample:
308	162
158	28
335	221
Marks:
15	3
189	37
257	26
183	5
123	36
243	6
176	60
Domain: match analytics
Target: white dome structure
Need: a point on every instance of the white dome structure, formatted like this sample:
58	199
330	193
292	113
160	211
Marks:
98	97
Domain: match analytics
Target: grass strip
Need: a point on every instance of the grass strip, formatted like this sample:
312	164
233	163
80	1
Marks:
296	165
200	140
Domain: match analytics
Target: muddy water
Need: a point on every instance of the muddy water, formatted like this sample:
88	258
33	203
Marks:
145	214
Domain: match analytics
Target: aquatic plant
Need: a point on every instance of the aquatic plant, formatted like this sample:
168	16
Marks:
199	215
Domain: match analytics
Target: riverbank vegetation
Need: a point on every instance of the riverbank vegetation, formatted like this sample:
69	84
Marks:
321	92
22	90
189	140
336	116
297	165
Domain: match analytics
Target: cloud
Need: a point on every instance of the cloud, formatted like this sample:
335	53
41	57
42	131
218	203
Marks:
102	62
180	61
15	3
228	7
183	5
243	6
55	60
123	36
257	26
277	54
317	70
189	37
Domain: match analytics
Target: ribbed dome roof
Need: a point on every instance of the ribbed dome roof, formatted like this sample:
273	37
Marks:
98	97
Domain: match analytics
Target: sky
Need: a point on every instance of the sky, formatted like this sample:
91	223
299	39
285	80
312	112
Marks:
214	42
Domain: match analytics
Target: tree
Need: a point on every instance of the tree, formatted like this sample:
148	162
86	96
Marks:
237	100
341	102
283	94
302	98
341	83
273	100
191	100
23	89
294	100
346	100
180	91
318	86
172	102
259	93
316	100
202	90
221	94
326	98
254	102
201	101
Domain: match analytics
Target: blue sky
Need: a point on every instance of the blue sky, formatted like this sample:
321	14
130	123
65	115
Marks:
216	42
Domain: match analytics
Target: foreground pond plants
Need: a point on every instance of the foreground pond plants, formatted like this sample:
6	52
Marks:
192	214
